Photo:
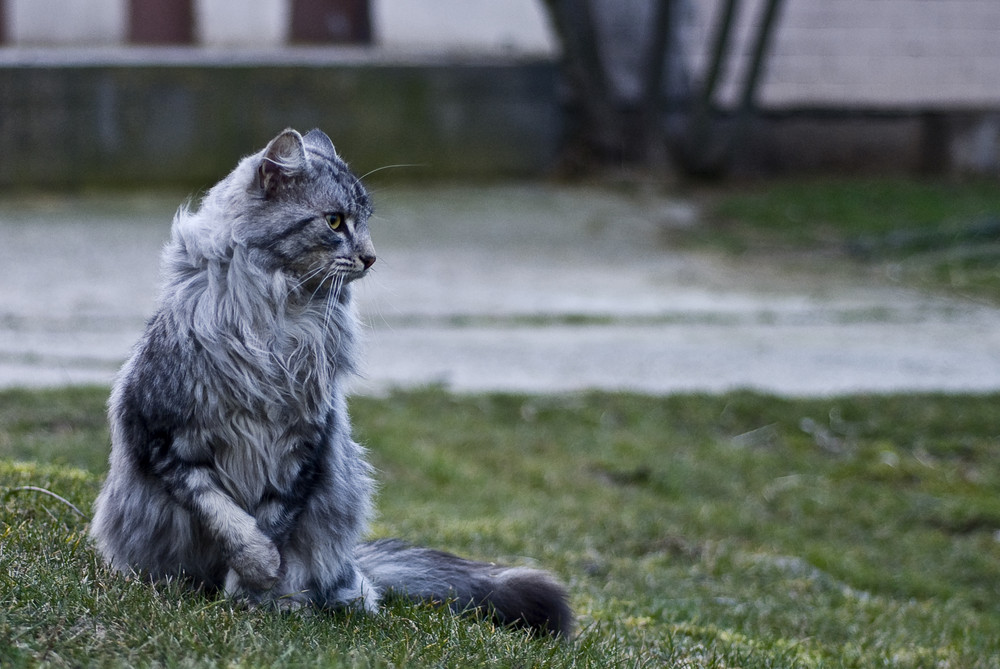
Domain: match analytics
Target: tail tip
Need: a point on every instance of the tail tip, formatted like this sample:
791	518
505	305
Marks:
535	600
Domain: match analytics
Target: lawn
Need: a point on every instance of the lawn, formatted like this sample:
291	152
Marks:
739	530
936	234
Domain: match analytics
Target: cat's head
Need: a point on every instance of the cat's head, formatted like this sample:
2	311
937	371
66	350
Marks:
296	208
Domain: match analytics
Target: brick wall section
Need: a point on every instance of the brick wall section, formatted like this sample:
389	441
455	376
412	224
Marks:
867	54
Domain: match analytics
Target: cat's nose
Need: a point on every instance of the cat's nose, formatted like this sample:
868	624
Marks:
367	260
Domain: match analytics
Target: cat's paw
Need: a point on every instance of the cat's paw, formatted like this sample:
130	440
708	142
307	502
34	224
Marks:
258	564
360	594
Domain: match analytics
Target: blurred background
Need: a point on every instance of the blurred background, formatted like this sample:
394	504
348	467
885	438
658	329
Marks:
154	91
676	199
658	195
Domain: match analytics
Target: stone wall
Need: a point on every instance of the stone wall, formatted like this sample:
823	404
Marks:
172	116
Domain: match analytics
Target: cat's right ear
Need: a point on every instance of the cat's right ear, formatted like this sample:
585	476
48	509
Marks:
284	160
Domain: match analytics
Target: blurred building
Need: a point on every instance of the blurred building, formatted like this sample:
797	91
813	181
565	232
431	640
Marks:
881	84
134	92
899	85
861	83
874	54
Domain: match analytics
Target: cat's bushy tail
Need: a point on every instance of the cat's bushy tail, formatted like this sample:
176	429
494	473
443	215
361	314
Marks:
516	596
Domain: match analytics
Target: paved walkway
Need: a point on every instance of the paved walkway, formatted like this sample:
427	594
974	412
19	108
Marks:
529	288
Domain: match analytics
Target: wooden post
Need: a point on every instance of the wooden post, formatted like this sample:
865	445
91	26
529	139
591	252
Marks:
331	21
160	22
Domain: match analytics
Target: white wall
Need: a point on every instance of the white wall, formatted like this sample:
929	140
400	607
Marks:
76	22
257	23
504	25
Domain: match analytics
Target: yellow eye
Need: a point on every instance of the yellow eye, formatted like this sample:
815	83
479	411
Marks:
334	220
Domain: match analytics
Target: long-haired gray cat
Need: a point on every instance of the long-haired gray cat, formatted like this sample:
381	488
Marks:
232	462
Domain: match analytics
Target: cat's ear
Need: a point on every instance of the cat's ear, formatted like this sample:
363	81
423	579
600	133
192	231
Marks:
284	159
319	139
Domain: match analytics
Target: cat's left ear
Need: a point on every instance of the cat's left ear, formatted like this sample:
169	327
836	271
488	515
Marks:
284	159
321	140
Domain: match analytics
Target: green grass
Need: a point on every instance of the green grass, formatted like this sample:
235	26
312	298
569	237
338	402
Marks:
943	235
739	530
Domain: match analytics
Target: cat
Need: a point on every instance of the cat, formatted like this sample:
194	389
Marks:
232	464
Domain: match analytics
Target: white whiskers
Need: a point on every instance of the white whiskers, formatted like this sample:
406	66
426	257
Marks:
306	279
333	298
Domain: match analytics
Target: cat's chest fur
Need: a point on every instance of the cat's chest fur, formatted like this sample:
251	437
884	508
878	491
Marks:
259	463
276	402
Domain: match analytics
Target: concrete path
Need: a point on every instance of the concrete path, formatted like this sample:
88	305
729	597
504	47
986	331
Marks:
528	288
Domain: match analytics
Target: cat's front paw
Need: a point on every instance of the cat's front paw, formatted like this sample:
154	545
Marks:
258	564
